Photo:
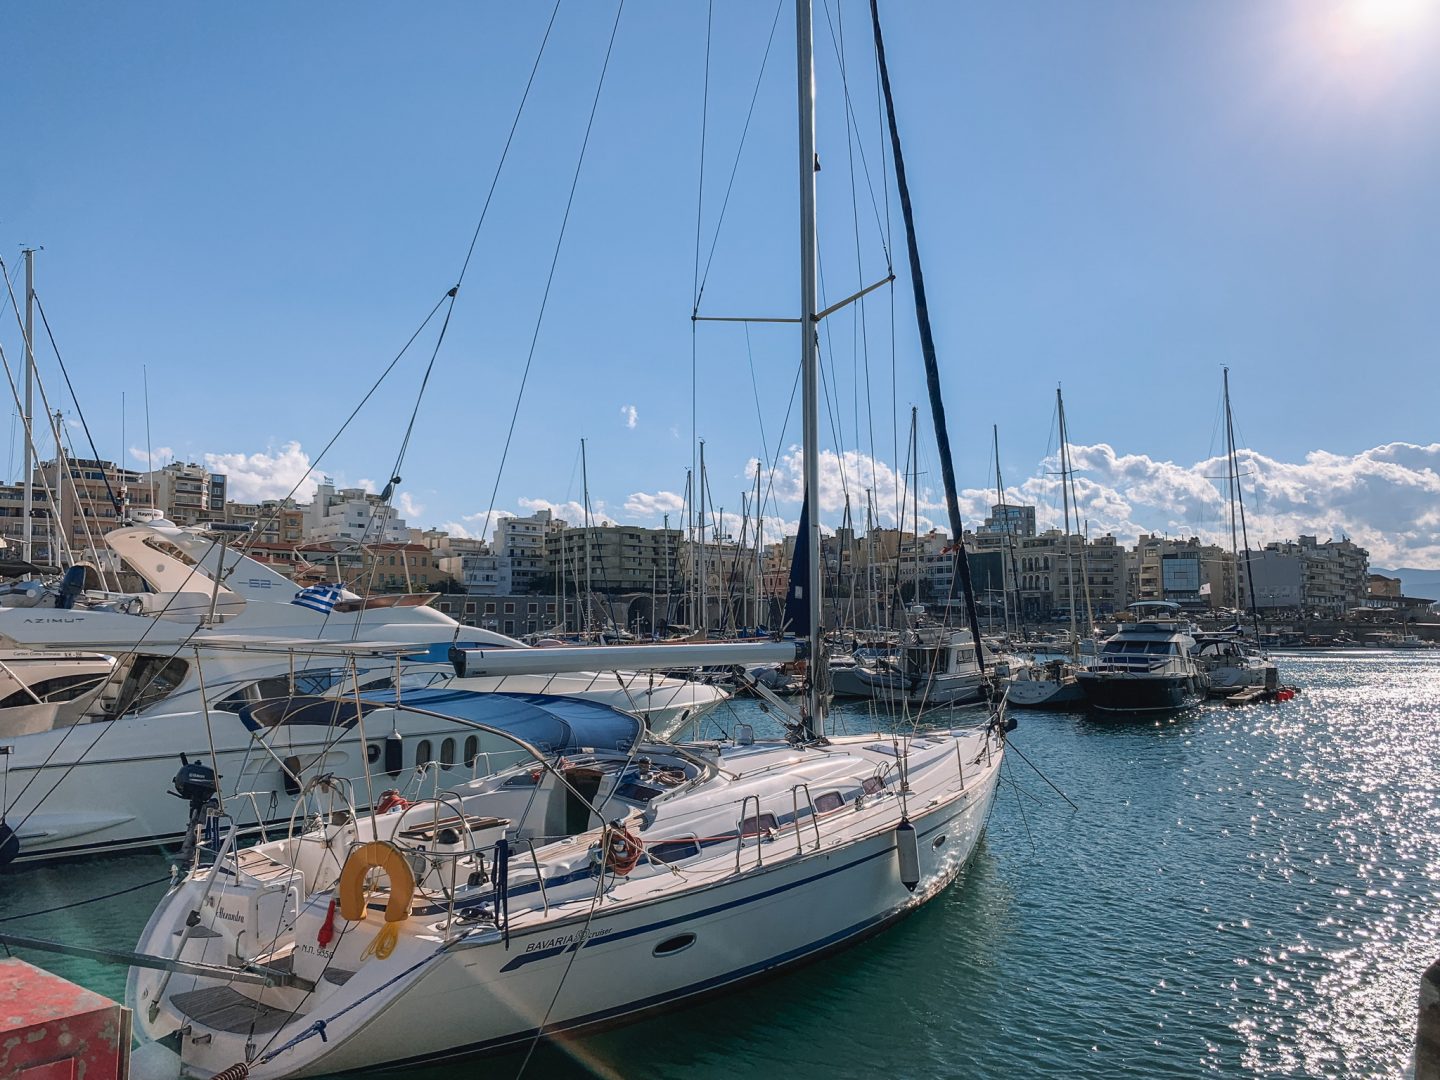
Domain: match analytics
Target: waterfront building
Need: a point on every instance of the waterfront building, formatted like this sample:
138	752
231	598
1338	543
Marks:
1184	571
1326	579
1014	520
521	543
271	522
187	493
84	508
352	514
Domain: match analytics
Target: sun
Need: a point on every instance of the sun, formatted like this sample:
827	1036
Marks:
1389	16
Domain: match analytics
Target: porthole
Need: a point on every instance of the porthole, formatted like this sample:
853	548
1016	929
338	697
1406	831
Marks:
938	842
472	751
372	753
447	754
422	752
670	946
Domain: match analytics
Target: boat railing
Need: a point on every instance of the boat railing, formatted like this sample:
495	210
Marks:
959	759
814	817
253	797
740	832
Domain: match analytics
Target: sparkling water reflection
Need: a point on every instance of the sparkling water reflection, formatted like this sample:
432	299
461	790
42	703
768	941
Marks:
1243	891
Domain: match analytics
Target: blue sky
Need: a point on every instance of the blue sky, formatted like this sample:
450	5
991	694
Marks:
258	205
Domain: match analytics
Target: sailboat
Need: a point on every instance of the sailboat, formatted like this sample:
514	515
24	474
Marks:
1234	664
1053	684
593	876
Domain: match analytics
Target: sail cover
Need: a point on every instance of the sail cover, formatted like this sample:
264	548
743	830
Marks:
797	605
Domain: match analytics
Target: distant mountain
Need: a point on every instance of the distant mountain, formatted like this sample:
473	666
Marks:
1415	581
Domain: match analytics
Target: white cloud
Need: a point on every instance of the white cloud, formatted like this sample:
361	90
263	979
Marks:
1387	498
409	509
654	505
631	416
456	530
264	475
159	455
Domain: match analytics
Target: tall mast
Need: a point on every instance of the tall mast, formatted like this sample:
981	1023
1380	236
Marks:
1231	481
704	571
585	485
809	358
1240	503
927	348
1008	535
28	526
1065	498
759	547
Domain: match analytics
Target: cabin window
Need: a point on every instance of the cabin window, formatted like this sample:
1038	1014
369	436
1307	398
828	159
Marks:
150	678
472	751
830	800
447	754
671	946
753	826
673	850
62	688
422	752
872	784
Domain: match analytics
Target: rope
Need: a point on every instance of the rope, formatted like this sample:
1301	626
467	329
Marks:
89	900
554	262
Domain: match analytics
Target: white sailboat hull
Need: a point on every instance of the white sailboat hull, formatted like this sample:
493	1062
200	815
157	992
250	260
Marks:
650	943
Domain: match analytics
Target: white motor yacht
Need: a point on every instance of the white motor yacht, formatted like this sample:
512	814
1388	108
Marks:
218	632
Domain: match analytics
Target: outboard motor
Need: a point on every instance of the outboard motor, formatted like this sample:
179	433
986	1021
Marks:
71	586
197	785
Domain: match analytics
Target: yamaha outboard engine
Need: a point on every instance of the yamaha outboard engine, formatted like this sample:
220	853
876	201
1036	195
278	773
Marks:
196	784
71	586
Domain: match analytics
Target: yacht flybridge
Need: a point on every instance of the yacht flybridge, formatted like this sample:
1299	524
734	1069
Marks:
218	632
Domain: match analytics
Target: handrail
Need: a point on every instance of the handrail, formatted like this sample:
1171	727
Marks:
959	758
255	805
740	833
814	816
539	877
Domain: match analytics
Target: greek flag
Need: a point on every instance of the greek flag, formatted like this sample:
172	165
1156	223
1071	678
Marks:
320	598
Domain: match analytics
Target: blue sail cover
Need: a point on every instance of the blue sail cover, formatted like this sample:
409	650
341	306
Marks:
550	723
797	607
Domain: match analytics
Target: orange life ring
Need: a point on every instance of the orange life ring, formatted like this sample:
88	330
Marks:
382	855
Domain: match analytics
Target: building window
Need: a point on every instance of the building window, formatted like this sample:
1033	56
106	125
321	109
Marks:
509	608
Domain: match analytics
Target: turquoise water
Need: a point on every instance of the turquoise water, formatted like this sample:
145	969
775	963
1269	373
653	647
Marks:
1242	892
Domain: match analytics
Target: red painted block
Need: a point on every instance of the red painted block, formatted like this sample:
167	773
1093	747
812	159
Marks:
51	1029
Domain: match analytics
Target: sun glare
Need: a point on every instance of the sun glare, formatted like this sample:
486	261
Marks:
1389	16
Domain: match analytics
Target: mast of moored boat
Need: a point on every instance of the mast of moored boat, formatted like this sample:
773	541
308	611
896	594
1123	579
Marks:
1065	499
961	569
28	525
809	362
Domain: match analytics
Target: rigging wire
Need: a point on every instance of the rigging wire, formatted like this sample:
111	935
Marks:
114	500
739	150
554	262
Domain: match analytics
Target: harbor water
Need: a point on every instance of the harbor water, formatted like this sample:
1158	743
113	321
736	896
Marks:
1245	891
